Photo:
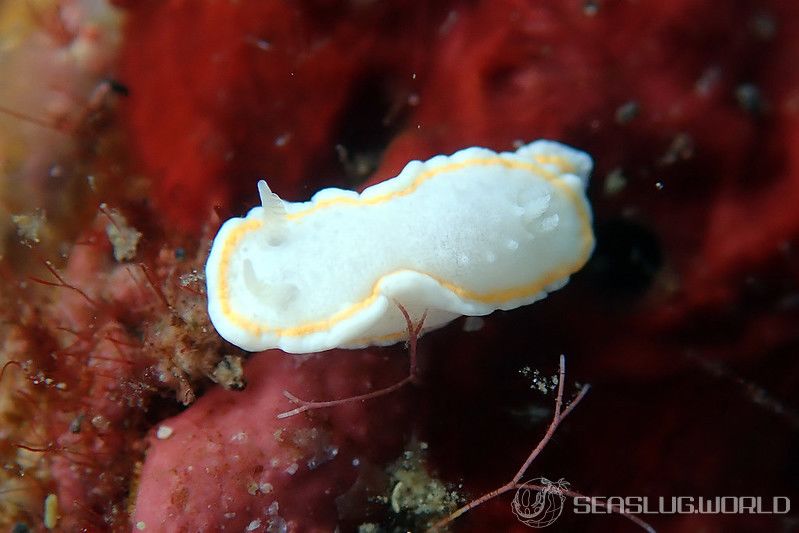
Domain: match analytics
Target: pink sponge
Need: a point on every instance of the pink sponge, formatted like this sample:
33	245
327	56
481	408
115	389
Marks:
228	463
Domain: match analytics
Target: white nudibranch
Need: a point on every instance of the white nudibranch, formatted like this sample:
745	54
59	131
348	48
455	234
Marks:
465	234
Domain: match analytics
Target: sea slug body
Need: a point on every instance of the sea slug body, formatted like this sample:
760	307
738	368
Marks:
465	234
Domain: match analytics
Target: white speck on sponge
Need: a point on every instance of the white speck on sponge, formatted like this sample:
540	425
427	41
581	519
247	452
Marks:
163	432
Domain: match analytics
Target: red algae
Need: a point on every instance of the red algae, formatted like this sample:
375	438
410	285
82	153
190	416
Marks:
94	349
684	322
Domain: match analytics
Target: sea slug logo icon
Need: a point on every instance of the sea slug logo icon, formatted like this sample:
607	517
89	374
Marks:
539	507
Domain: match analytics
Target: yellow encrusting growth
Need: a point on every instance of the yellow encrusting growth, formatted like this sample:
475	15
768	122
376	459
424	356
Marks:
51	511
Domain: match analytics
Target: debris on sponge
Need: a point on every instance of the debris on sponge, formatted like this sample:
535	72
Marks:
123	237
417	497
30	226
